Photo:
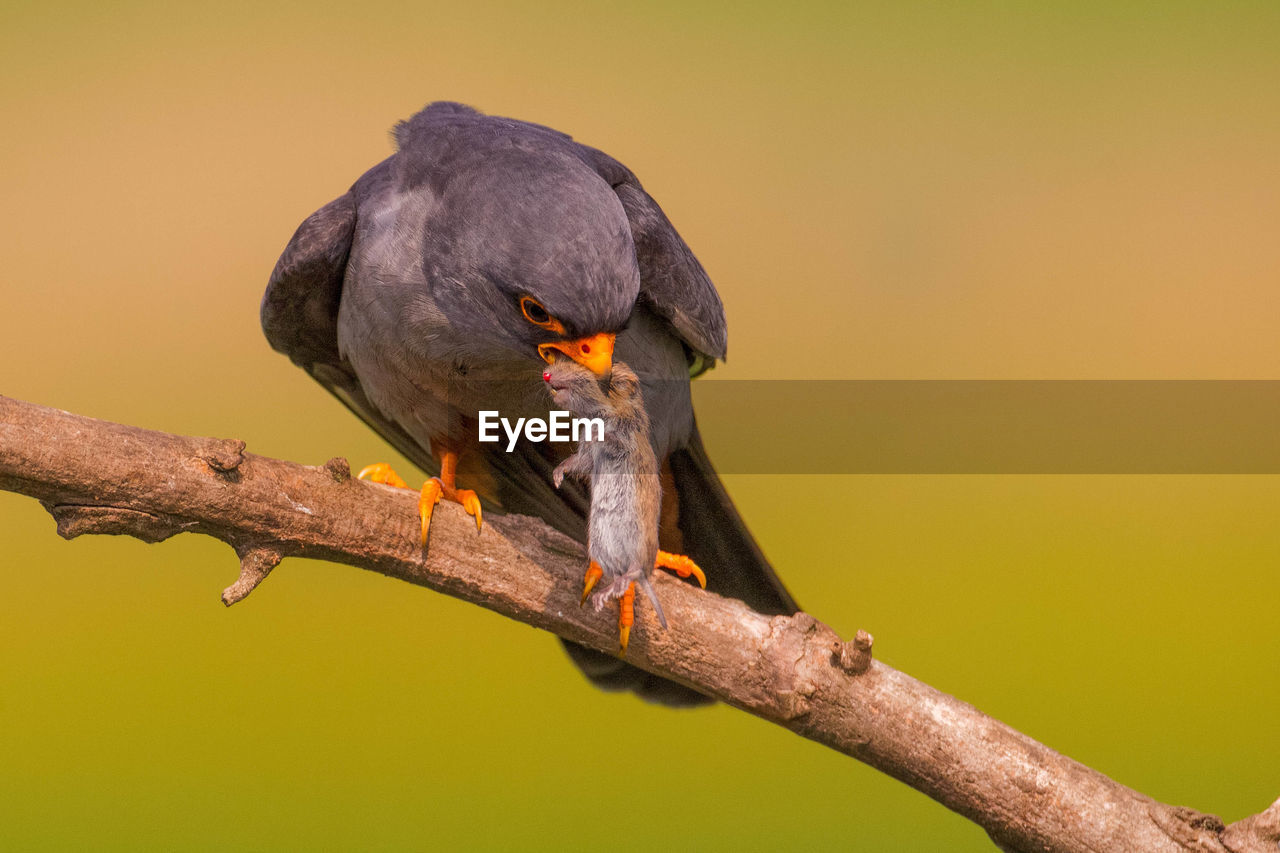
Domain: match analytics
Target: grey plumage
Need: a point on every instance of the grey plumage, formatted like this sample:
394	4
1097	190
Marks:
402	297
626	494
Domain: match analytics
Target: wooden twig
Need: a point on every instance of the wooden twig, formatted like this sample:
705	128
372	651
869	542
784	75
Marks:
99	477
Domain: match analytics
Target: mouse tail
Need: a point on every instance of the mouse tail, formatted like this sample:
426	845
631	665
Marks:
643	583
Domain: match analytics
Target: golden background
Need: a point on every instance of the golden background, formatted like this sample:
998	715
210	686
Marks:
984	190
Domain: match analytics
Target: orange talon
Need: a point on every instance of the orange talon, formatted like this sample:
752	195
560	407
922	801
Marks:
626	616
381	472
681	565
448	471
471	503
431	492
589	581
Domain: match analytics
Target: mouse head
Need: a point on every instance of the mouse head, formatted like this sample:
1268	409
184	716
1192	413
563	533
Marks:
574	388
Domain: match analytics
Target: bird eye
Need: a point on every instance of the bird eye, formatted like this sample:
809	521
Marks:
533	312
537	315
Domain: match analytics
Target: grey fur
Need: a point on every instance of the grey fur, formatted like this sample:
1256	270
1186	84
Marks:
626	492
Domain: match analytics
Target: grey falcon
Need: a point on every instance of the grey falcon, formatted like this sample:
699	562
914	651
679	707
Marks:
438	285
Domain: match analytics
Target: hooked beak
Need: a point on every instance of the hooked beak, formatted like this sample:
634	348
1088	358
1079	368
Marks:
594	353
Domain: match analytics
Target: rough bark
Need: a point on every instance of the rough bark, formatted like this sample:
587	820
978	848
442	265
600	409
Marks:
99	477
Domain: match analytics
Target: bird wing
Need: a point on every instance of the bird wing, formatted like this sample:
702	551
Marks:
300	316
674	286
677	288
672	280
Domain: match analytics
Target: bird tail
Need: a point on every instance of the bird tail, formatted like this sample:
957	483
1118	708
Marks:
717	538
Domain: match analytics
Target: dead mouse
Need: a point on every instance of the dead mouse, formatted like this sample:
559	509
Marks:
626	492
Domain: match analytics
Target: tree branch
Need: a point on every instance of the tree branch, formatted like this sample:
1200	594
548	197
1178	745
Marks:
99	477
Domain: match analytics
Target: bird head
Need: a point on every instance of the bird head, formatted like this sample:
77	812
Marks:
535	257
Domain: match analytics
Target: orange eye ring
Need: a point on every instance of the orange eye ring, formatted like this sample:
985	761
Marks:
537	315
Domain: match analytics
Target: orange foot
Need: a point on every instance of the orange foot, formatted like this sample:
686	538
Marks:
432	490
681	565
678	563
594	574
626	605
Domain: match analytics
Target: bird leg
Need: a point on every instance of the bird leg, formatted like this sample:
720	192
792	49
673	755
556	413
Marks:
444	487
681	565
433	490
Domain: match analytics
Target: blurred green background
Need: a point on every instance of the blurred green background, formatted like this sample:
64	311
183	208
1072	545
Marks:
983	190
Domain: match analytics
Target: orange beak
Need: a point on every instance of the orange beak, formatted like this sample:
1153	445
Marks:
595	353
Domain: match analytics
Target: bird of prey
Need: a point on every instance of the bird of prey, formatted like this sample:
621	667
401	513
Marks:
438	285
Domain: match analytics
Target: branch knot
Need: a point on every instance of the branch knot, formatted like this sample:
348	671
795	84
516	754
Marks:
223	455
256	562
854	657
